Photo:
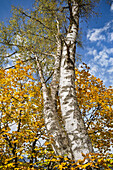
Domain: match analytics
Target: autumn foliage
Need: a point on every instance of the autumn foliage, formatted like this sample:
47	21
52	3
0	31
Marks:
24	143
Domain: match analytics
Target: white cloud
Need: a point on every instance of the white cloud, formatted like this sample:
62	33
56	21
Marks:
111	80
102	55
112	6
105	79
93	69
111	61
95	35
109	50
92	52
97	57
111	36
110	70
99	34
101	63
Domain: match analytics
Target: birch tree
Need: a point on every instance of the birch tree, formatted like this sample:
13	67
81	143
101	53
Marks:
47	38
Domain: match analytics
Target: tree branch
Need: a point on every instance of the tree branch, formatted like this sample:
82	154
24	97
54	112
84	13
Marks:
49	77
10	54
34	19
40	72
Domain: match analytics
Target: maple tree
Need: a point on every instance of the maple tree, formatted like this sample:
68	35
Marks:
21	118
22	129
46	40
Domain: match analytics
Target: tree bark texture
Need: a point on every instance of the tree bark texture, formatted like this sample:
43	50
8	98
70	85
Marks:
71	137
74	124
56	131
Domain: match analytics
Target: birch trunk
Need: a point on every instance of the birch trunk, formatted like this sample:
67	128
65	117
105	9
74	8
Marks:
56	132
74	124
56	75
72	138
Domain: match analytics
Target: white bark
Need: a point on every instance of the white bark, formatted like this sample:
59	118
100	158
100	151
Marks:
71	138
56	74
74	124
56	132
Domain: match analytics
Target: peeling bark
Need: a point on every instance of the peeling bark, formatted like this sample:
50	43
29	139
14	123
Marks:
70	138
56	131
74	124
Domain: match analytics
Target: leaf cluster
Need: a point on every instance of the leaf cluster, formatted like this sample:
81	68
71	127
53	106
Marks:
23	138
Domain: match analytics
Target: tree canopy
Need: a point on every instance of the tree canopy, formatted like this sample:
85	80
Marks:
53	116
23	134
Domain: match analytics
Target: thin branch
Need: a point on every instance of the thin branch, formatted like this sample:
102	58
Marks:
9	141
48	54
10	145
9	67
19	63
40	36
15	98
10	54
19	124
40	72
21	46
33	18
92	117
10	44
49	77
58	26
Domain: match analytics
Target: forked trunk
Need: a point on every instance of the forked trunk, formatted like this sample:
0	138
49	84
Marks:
56	132
74	124
71	138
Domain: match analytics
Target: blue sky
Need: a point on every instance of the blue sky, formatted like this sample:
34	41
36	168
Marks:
97	49
97	36
5	7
